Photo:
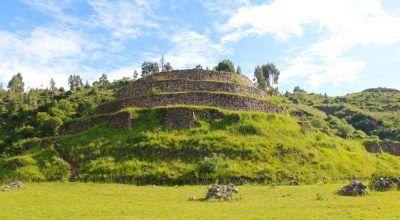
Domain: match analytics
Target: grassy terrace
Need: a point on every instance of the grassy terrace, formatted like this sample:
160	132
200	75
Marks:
113	201
203	92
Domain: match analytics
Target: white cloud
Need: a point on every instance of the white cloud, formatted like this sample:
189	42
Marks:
56	9
123	18
225	7
54	6
124	72
192	48
72	41
341	25
42	54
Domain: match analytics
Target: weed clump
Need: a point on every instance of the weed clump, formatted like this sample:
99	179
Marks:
319	196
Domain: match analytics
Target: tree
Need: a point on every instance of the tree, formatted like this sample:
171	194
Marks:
149	68
122	82
167	67
266	76
239	70
16	89
71	83
33	98
226	66
135	75
74	82
297	89
53	88
53	85
16	84
3	104
66	106
87	84
49	125
259	78
103	80
198	67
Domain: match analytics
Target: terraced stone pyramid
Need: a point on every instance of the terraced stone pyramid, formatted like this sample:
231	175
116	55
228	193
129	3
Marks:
194	88
178	95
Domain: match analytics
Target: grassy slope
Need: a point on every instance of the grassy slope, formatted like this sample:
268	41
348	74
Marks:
382	105
376	100
36	164
259	147
112	201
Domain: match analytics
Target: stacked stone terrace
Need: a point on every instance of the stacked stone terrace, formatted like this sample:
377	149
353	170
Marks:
191	87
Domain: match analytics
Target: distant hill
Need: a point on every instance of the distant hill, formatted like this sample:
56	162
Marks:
381	90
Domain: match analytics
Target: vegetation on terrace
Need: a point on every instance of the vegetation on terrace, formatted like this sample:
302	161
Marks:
320	139
238	147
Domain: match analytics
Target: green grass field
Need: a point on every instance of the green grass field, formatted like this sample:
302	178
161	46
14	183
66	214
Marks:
114	201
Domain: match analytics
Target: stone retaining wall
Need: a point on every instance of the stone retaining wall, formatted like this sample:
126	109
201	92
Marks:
195	74
178	118
183	85
389	147
220	100
81	125
121	120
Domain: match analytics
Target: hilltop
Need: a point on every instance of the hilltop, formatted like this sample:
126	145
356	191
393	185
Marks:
196	126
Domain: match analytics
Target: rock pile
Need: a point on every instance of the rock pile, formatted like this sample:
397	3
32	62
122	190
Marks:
13	185
295	182
355	188
384	183
221	192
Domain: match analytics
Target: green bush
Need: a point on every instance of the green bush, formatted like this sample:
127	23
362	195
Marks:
213	165
249	130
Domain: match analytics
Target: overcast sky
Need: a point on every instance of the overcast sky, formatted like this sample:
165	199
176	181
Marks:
332	46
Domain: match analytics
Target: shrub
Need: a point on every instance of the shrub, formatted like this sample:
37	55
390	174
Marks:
25	132
318	123
213	165
249	130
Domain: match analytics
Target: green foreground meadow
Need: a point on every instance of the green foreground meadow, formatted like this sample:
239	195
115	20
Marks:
117	201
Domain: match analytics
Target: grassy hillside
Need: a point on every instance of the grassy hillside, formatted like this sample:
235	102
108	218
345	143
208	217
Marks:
375	112
319	138
83	201
238	147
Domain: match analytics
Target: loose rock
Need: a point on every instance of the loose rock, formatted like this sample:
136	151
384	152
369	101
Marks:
295	182
384	183
355	188
14	185
221	192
